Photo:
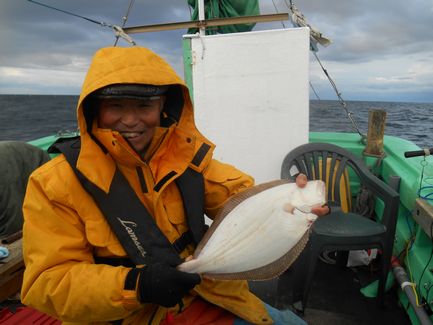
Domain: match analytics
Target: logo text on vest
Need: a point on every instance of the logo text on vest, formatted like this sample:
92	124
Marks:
126	224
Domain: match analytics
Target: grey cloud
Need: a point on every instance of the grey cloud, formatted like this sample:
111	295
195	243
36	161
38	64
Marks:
362	32
40	36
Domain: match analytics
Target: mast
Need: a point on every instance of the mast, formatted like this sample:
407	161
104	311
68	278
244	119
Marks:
201	17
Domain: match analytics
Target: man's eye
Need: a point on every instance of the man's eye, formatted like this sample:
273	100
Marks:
115	106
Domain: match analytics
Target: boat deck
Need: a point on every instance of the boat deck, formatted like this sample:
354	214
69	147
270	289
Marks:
334	297
11	270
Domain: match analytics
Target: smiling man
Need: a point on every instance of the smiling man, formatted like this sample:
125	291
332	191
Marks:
108	221
132	110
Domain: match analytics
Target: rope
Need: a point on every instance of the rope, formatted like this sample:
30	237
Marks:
71	13
429	260
314	90
276	10
124	19
411	277
119	32
313	48
427	196
341	100
117	29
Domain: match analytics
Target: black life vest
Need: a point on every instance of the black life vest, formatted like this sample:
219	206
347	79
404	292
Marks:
129	219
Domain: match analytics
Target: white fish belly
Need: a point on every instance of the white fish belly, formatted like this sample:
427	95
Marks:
258	231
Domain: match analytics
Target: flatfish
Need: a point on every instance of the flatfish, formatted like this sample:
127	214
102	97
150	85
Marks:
255	236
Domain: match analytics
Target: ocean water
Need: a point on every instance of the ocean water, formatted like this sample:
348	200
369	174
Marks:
410	121
28	117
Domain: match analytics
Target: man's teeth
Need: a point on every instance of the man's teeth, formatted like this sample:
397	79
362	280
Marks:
131	134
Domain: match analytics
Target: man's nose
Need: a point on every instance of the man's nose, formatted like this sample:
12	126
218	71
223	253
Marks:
130	117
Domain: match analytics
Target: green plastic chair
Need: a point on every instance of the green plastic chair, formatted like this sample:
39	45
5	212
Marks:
340	231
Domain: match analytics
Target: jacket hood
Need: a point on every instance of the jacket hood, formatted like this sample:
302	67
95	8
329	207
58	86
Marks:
135	65
131	65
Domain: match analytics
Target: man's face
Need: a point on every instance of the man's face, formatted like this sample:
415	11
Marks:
134	119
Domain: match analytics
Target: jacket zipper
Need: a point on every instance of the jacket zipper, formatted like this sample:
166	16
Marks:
153	316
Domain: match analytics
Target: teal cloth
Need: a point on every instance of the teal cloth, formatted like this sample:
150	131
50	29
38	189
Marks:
280	317
17	161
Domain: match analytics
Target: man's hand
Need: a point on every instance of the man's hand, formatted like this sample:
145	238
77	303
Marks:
301	181
164	285
320	211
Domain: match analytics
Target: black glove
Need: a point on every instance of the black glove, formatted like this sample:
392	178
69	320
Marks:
163	285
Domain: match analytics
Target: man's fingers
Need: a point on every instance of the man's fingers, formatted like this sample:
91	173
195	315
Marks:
320	211
301	180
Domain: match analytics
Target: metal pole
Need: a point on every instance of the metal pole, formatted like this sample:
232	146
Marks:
206	23
201	16
402	278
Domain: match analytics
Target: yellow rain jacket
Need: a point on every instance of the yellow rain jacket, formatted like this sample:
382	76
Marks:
64	229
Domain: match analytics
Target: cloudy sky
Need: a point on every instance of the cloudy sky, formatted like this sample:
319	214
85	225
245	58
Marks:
382	49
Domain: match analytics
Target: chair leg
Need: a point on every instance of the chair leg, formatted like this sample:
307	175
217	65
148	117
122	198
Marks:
312	256
385	265
342	258
300	270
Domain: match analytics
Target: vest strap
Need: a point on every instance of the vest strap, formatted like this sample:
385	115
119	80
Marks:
132	223
193	202
183	241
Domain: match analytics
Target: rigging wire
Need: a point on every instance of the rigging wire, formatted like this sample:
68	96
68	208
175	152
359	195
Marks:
423	179
417	292
314	90
117	29
284	26
71	13
190	11
124	19
334	86
431	256
427	294
340	99
412	284
276	10
417	287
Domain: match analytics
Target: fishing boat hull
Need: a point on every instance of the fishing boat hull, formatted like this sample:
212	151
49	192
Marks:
414	219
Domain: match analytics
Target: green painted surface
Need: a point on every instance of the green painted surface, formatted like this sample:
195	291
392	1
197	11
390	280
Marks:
418	262
187	65
394	163
225	9
44	142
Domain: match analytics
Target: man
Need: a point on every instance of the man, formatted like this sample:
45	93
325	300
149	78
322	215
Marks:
140	161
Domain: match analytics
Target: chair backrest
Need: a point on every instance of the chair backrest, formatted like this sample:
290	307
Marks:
333	164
